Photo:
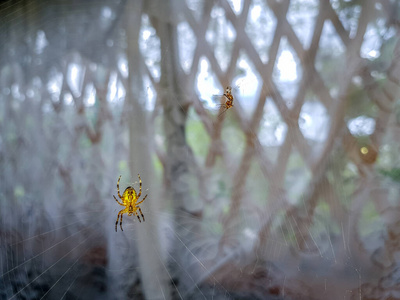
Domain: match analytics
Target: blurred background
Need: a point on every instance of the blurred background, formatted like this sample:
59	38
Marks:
293	193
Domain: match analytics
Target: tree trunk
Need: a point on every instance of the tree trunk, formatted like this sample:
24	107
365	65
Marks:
153	274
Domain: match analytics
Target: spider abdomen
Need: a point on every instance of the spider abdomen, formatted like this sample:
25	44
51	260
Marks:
129	195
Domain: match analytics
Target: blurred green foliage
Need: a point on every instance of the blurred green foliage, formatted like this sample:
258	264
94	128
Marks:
370	220
19	191
357	102
122	166
197	137
393	174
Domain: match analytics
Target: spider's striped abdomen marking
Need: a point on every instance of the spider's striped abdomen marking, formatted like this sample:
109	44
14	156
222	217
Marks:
129	195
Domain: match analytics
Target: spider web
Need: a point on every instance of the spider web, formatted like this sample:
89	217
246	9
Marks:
281	197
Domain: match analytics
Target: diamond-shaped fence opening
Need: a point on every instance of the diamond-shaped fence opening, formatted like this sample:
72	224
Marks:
260	26
187	45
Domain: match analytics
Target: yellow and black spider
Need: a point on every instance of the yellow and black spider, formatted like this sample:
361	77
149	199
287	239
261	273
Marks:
130	201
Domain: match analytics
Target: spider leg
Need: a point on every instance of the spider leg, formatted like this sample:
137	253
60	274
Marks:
141	201
141	213
224	111
140	186
116	223
120	223
119	195
137	215
118	201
